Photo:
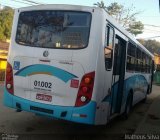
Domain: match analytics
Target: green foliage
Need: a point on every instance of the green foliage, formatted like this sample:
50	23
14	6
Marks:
136	28
115	9
6	17
100	5
152	45
124	16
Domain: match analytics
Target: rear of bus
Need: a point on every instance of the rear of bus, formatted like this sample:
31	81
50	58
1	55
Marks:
50	70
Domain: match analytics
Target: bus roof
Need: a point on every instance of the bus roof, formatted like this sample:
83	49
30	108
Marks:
56	6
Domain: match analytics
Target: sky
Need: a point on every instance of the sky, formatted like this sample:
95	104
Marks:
149	15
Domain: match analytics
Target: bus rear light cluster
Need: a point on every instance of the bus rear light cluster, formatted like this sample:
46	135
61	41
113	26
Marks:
85	89
9	79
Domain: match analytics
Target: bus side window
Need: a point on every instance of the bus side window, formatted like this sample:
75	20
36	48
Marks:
108	48
131	60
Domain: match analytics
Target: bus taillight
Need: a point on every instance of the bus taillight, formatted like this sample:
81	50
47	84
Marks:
9	79
85	89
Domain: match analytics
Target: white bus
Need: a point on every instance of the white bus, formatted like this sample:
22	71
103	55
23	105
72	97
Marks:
74	63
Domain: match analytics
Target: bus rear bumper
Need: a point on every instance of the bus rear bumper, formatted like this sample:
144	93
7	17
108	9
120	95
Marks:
84	114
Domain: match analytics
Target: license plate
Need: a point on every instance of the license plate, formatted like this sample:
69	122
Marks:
44	97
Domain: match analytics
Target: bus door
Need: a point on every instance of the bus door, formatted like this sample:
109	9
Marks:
108	52
118	74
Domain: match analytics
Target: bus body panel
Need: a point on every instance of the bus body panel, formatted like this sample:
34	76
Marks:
34	77
61	112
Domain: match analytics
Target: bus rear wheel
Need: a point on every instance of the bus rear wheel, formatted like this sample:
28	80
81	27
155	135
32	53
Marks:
145	98
127	107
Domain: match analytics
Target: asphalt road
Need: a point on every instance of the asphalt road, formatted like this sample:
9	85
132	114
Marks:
27	126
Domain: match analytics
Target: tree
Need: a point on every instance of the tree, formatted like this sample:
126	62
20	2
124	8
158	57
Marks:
6	17
124	16
152	45
136	28
101	5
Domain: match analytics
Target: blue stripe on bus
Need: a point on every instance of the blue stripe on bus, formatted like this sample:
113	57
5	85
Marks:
40	68
88	110
136	82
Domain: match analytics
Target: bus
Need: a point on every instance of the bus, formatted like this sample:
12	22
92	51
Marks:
74	63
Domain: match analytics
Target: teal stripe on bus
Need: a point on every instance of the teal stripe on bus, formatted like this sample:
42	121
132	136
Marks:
40	68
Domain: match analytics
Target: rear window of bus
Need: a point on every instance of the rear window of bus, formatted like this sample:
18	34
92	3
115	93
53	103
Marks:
54	29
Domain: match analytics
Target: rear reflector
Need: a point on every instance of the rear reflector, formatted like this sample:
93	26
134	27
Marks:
74	83
80	115
83	115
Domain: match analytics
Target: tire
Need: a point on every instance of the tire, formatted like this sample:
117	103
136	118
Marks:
144	100
148	90
128	107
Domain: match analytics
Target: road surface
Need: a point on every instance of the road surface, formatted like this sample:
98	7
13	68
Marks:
26	125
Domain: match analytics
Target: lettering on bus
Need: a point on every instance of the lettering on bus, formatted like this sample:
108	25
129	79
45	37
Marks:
42	84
